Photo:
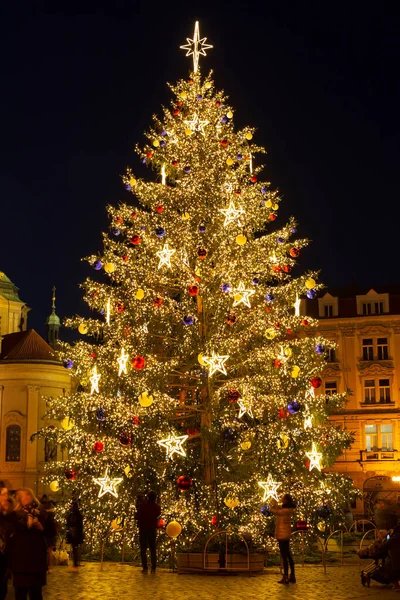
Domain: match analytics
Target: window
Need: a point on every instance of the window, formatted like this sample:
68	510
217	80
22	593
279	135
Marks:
387	438
372	308
371	438
366	308
330	388
328	310
369	391
368	349
331	355
383	348
384	391
13	443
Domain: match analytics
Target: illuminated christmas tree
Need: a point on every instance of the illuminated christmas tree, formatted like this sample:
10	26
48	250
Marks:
198	375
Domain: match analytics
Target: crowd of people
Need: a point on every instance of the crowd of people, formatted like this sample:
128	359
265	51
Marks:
28	535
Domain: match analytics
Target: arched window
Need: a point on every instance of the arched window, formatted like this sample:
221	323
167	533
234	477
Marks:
13	443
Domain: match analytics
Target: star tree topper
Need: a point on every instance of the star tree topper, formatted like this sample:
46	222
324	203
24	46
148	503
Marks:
108	485
270	488
196	46
242	295
215	363
315	458
173	444
165	256
94	381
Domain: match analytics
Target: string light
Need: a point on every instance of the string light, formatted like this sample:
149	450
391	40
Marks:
196	46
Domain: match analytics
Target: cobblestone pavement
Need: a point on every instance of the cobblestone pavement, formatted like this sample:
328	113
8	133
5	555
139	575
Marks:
124	582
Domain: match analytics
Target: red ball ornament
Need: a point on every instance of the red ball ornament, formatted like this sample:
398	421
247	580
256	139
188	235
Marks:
127	330
71	475
277	325
133	215
191	431
125	258
218	103
233	396
157	301
238	192
93	355
135	420
316	381
289	332
277	363
307	464
174	163
286	268
159	209
231	319
191	81
135	240
176	111
179	103
184	483
282	414
294	252
119	220
202	253
125	439
224	143
272	217
193	290
305	322
160	523
138	363
98	446
268	309
276	269
120	307
150	154
253	179
214	520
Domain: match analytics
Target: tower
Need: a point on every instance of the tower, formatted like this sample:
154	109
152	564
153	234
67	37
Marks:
53	323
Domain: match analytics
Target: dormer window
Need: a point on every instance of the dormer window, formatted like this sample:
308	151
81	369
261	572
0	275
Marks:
328	306
372	304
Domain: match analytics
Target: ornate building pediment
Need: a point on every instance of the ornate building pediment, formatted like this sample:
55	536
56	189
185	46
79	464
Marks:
376	369
332	371
374	330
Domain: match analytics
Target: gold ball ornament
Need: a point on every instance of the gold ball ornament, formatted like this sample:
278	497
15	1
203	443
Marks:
238	297
275	206
208	85
83	328
229	162
198	272
231	501
132	181
295	371
283	441
139	294
186	216
249	136
229	114
201	360
156	143
173	529
241	240
310	283
245	445
321	525
54	486
67	424
268	204
183	95
109	267
288	352
270	333
188	132
145	399
116	524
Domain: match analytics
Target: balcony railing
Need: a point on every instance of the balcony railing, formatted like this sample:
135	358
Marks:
376	455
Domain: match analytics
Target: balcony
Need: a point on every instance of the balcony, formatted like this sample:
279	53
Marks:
379	455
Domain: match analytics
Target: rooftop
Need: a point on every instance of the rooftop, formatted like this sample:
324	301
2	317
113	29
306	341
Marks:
26	346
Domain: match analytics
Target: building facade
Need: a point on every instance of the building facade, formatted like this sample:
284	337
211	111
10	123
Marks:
365	325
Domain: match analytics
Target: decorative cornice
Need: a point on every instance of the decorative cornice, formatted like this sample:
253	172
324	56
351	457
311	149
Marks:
347	330
374	330
376	368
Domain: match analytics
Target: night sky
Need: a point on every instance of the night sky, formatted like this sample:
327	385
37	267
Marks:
81	80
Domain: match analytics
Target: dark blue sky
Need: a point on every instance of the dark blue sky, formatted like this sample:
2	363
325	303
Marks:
81	80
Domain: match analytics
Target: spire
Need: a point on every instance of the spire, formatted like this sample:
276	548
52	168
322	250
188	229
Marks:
53	323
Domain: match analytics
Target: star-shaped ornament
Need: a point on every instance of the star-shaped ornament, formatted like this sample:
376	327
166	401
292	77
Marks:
122	360
196	124
94	381
270	488
165	256
315	458
244	407
308	422
108	485
215	363
232	214
242	295
173	445
196	46
296	306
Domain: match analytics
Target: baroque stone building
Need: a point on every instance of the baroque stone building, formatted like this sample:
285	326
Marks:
365	324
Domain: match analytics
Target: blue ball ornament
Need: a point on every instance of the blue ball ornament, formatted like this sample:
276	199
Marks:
187	169
199	97
239	156
97	265
102	311
269	297
160	232
280	240
293	230
67	363
264	190
144	160
226	287
202	228
229	434
164	132
265	510
311	294
294	407
224	119
116	231
143	228
319	348
256	281
100	414
128	187
163	143
188	320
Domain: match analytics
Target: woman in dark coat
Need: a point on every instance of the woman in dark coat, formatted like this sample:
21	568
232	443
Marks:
75	532
26	547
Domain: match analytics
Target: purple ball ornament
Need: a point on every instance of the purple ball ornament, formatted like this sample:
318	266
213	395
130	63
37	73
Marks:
265	510
239	156
269	297
311	294
163	143
67	363
264	190
160	232
164	132
187	169
100	414
293	230
319	348
294	407
256	281
116	231
199	97
143	161
102	311
224	119
188	320
226	287
97	265
143	228
202	228
280	240
262	203
128	187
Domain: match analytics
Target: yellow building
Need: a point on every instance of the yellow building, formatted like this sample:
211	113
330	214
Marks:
366	327
28	373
